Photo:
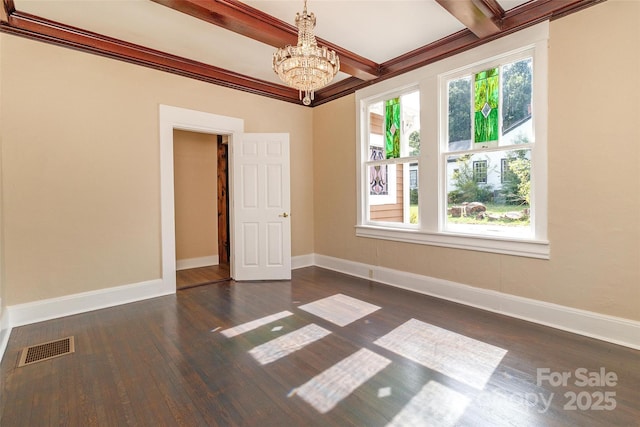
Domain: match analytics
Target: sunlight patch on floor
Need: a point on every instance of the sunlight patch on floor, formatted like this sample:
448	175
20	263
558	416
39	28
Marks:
435	406
340	309
282	346
254	324
465	359
327	389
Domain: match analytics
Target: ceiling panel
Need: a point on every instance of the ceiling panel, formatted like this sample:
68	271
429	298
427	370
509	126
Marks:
510	4
376	30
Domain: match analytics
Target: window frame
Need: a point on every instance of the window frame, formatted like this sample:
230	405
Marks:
390	198
480	171
430	229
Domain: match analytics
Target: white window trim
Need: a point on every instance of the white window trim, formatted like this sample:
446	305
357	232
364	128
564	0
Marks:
430	232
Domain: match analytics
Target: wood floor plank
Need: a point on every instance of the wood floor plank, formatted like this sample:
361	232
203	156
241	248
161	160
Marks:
165	361
193	277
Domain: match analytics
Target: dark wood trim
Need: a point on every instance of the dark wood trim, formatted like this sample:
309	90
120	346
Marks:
481	17
253	23
41	29
340	89
223	202
541	10
448	46
517	19
493	7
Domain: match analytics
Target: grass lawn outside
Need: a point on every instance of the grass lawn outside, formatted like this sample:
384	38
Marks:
498	209
495	209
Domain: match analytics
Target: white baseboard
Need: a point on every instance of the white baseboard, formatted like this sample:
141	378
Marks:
205	261
607	328
5	331
38	311
302	261
612	329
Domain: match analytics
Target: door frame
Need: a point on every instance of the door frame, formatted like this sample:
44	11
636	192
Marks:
171	118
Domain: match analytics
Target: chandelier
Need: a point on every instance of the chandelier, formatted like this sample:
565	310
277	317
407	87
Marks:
307	66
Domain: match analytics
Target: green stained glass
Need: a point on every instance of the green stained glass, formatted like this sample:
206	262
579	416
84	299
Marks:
487	95
392	128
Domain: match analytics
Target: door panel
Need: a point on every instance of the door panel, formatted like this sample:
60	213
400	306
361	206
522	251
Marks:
261	202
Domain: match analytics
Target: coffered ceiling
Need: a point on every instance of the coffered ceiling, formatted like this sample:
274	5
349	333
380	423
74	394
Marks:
230	43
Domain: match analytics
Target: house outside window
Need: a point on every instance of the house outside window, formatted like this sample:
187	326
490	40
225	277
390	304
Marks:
480	171
477	179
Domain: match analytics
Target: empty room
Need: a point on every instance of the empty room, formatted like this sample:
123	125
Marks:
320	213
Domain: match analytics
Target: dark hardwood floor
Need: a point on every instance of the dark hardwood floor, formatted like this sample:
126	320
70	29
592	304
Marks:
202	276
176	360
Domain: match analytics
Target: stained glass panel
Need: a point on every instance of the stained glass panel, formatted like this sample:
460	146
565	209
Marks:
487	95
392	128
378	185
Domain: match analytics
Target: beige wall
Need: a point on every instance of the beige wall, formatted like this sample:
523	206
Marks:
2	298
195	172
81	178
594	179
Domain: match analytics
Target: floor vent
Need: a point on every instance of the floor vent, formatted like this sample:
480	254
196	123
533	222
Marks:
46	351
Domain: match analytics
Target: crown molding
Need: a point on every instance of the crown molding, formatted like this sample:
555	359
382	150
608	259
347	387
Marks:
239	17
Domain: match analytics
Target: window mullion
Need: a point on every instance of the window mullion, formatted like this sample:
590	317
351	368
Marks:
430	183
393	161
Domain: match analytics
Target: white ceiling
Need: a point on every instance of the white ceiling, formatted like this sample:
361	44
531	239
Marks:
376	30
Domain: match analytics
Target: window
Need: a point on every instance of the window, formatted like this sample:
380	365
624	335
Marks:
393	130
413	176
489	118
474	175
504	171
480	171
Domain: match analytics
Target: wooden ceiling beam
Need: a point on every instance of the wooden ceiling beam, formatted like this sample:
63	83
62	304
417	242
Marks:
26	25
482	17
242	19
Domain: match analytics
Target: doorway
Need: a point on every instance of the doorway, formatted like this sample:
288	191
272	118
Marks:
171	118
201	208
278	251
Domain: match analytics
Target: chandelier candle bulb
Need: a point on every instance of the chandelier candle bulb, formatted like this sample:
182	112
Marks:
306	66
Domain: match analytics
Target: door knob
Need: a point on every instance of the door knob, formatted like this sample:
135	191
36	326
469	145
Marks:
284	215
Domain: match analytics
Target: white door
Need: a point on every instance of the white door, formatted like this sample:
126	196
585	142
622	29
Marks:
261	216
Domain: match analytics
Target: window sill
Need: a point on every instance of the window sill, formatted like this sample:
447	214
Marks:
508	246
